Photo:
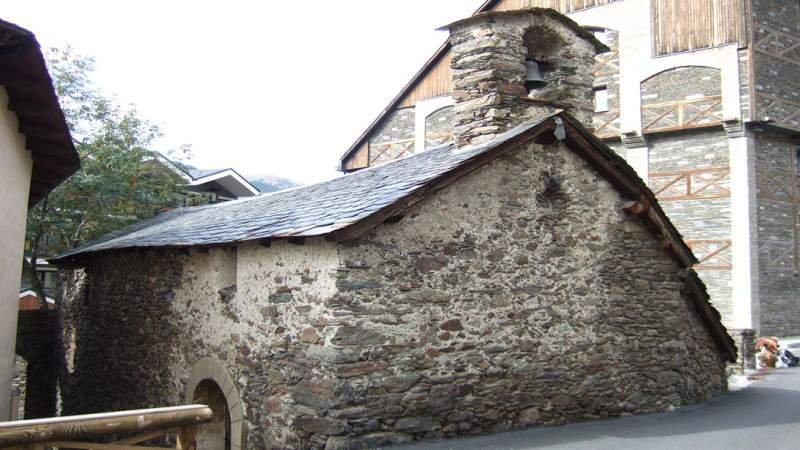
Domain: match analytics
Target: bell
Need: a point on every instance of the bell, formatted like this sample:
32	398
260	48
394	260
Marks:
533	79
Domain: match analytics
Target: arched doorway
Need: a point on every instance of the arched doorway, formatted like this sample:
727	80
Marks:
211	384
215	435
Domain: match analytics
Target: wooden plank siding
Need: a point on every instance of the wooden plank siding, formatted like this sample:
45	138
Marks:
436	83
685	25
358	159
563	6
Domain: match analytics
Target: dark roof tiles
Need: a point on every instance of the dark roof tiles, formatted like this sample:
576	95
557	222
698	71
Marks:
312	210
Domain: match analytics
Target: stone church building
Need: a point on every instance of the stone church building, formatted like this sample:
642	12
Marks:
521	274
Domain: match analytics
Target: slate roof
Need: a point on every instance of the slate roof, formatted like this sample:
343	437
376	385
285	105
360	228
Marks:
312	210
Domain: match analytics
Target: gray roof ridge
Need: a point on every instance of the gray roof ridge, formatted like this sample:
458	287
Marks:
310	210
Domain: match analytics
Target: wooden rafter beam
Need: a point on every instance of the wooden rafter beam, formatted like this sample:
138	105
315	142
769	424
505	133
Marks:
679	178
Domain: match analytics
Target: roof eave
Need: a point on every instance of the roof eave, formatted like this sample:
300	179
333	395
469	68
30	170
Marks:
24	75
245	184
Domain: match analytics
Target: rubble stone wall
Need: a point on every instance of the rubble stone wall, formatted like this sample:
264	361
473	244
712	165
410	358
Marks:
122	334
488	64
18	386
530	299
700	85
142	319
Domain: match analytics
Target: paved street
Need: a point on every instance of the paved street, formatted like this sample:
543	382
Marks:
765	415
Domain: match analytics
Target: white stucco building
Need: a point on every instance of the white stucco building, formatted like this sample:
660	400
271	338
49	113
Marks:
36	154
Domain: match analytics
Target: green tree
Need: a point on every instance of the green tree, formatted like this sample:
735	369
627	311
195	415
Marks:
121	179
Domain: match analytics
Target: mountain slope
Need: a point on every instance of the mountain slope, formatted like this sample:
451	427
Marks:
271	183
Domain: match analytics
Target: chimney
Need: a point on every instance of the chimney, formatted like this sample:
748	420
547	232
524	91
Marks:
494	59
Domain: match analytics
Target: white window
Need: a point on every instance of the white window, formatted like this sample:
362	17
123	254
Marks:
601	99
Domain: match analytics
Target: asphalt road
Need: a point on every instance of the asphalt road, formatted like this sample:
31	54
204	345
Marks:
763	416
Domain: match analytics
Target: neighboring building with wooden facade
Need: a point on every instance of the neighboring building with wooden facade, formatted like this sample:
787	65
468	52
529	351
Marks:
702	98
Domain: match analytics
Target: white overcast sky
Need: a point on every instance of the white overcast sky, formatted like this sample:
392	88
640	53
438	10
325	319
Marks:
266	87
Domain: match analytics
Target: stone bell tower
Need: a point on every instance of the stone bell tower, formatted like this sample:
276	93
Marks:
511	66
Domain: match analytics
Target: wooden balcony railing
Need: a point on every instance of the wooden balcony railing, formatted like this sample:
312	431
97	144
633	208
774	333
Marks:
606	64
684	114
71	432
780	110
606	124
389	151
691	184
711	254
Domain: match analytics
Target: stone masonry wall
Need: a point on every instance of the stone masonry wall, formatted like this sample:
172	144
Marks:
700	212
439	127
488	62
394	139
700	85
18	385
681	83
120	323
606	74
778	199
744	84
530	299
142	319
776	35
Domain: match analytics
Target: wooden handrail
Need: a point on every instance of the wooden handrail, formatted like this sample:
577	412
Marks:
70	428
711	98
682	114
